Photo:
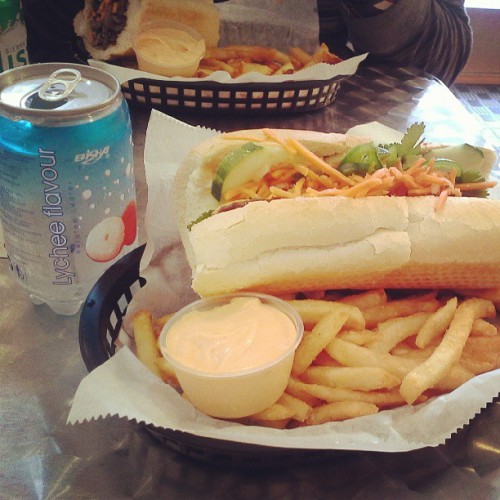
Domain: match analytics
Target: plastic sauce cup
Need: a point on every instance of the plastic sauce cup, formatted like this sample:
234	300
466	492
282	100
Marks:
233	393
169	49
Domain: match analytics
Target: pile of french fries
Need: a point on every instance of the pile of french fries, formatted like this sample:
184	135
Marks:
241	59
365	352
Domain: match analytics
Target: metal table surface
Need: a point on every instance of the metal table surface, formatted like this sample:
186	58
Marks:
41	367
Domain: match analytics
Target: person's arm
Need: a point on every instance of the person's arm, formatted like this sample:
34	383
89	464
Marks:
332	27
49	23
434	35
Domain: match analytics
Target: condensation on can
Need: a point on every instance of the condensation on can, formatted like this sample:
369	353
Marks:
67	189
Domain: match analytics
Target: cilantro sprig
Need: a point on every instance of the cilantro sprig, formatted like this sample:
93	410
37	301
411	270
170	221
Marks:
406	151
472	176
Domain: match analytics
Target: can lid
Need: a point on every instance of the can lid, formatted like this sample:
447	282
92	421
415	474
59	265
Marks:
56	91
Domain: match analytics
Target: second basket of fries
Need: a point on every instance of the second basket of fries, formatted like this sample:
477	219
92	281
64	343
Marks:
170	62
247	80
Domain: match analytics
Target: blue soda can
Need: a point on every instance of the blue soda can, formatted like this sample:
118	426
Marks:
67	189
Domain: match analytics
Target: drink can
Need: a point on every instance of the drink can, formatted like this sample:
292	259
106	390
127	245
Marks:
67	189
13	35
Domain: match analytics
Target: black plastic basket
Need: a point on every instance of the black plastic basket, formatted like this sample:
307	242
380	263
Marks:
100	323
229	98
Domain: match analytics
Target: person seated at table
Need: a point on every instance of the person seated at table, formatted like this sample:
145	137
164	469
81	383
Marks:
51	36
434	35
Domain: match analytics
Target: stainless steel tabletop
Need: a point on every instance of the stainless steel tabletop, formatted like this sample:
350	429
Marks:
41	367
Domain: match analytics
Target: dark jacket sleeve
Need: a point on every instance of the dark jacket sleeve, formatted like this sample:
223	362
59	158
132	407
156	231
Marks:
434	35
49	23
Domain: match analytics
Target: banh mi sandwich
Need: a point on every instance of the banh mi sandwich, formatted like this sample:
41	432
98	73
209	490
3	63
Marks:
107	27
283	211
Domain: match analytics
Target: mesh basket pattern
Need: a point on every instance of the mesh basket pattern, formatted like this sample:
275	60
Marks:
248	98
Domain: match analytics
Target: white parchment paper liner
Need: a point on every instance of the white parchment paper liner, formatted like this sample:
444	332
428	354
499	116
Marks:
123	386
321	71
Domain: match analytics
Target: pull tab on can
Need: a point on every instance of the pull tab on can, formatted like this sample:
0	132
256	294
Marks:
59	85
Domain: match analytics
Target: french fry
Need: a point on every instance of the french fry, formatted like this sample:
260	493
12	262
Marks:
483	328
358	378
481	354
322	54
405	351
311	311
448	352
458	375
367	299
273	424
353	355
383	399
217	65
299	407
249	67
401	307
281	57
437	323
203	72
160	322
295	388
324	359
287	68
359	337
395	330
167	373
300	54
274	412
316	340
145	340
339	411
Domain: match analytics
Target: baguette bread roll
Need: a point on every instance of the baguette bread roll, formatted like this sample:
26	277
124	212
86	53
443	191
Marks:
317	243
201	15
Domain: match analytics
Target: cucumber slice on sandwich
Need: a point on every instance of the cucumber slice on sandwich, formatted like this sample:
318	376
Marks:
446	165
467	157
249	162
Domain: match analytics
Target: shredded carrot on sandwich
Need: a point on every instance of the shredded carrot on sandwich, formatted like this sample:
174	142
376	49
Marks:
271	134
443	196
282	193
473	186
430	179
231	136
320	163
415	166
